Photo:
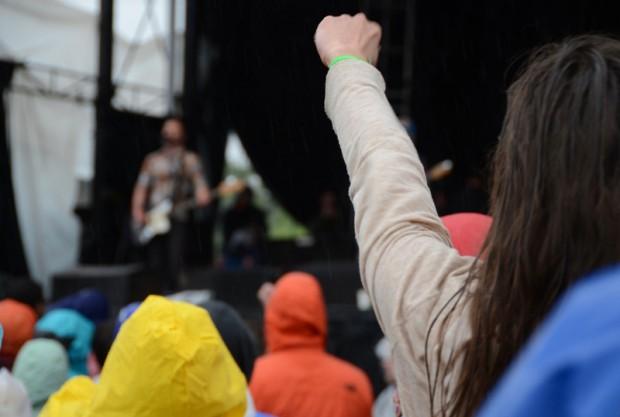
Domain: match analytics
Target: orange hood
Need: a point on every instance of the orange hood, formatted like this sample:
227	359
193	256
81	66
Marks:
295	315
18	321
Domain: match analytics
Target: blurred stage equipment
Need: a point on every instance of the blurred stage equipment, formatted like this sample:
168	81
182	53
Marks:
120	284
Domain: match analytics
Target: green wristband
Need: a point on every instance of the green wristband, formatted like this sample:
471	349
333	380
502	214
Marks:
341	58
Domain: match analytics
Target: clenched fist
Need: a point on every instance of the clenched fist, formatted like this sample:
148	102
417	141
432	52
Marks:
348	35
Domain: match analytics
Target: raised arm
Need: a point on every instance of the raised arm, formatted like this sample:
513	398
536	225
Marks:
407	263
202	194
140	191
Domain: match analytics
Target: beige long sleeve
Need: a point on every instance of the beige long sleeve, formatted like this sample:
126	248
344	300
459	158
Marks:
406	260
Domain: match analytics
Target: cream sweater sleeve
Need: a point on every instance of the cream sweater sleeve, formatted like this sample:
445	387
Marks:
406	260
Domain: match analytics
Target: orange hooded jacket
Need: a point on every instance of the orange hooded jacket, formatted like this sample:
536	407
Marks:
18	321
296	377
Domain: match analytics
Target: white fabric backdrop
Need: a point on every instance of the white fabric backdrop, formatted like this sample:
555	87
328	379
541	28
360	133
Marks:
51	33
50	141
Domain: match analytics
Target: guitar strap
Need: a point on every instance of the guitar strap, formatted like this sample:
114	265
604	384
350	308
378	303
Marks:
178	180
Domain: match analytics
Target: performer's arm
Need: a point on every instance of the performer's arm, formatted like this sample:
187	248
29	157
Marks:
140	191
202	194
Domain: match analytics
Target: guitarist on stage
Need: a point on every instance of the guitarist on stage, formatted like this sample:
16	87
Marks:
172	175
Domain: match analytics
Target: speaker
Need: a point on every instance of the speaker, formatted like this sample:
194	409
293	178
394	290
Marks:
122	284
339	280
237	288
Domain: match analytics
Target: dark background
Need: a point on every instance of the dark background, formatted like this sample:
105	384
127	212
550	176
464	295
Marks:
257	73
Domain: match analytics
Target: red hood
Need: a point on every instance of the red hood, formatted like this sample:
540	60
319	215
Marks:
467	231
295	315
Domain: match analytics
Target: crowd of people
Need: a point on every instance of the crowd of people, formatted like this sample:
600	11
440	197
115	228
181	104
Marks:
461	300
57	357
170	357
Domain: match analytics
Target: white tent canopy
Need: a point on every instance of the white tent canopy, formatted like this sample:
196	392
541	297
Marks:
59	35
50	105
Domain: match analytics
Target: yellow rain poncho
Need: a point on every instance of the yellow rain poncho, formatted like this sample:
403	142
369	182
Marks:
168	360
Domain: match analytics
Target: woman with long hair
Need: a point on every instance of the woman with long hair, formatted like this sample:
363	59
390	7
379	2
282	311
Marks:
455	322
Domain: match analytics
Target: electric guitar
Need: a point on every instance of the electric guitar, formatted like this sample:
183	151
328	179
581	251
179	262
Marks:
157	219
440	170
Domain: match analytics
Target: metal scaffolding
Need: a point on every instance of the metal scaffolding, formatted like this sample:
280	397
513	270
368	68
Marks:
65	84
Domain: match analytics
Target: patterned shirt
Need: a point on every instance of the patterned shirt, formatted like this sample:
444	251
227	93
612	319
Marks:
172	176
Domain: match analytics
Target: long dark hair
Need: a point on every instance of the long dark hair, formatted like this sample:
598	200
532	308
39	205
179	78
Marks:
555	202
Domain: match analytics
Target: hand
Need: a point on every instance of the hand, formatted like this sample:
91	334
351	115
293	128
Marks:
265	292
139	217
348	35
203	197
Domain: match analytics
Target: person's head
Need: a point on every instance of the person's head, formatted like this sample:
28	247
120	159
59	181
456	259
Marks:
295	314
18	321
234	331
90	303
173	131
328	205
74	330
236	335
167	360
555	202
13	397
245	198
42	366
467	231
28	292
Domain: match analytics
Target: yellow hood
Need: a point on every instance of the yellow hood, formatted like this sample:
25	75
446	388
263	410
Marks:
167	360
